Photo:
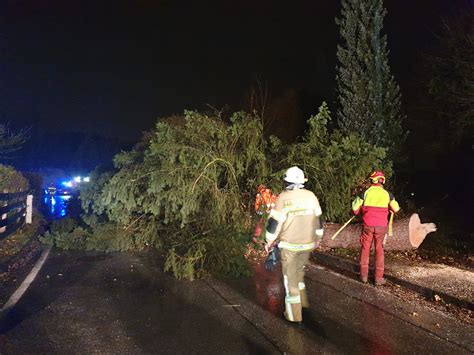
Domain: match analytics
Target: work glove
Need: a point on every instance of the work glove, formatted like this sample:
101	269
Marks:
272	259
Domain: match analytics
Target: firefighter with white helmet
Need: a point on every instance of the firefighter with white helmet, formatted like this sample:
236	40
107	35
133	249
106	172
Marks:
295	224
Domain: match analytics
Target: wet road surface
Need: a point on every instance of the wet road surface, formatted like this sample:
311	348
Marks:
55	206
122	303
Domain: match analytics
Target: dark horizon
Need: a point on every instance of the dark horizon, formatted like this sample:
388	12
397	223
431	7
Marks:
113	69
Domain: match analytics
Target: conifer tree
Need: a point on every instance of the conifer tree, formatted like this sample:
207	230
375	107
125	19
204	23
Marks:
10	142
369	99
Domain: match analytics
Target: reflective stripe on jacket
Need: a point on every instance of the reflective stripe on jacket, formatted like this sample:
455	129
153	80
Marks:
375	202
297	247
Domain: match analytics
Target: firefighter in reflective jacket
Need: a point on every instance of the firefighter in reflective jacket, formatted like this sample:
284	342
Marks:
296	222
375	204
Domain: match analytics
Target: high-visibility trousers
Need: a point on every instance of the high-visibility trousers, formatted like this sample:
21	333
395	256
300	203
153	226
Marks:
293	263
369	234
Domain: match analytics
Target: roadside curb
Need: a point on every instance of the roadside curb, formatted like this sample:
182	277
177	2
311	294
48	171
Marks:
30	247
338	264
15	297
18	267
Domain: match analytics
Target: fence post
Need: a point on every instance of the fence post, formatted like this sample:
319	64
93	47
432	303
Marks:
29	209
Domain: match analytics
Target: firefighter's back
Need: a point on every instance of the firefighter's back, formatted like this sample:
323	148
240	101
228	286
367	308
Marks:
300	208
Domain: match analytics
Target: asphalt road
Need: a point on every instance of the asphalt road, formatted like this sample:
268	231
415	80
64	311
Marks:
84	303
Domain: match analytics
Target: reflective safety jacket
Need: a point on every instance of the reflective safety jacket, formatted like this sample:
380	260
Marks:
375	203
264	201
295	220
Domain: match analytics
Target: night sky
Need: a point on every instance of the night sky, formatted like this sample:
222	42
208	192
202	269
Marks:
114	67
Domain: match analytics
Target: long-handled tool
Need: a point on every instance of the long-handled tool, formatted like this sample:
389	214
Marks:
340	229
390	228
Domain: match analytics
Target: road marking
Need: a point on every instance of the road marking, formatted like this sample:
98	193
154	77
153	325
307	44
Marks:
15	297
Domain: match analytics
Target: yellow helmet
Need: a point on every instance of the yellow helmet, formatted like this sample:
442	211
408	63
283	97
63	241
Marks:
377	177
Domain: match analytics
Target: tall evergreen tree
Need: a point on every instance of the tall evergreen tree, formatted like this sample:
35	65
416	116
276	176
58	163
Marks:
369	100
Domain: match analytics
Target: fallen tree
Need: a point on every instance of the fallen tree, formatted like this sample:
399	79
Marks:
408	233
188	188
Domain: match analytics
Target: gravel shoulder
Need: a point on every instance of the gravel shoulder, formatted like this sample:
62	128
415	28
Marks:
434	281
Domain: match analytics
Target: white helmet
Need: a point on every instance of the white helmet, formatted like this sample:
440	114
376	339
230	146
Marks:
295	175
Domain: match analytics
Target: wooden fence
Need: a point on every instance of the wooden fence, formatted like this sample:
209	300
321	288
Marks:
16	209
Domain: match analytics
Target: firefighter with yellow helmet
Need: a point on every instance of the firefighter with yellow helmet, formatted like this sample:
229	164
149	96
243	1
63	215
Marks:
375	204
295	224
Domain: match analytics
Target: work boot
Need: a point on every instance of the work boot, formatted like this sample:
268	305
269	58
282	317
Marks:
380	282
364	280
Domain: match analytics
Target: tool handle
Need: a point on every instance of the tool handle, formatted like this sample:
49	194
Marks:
390	224
340	229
